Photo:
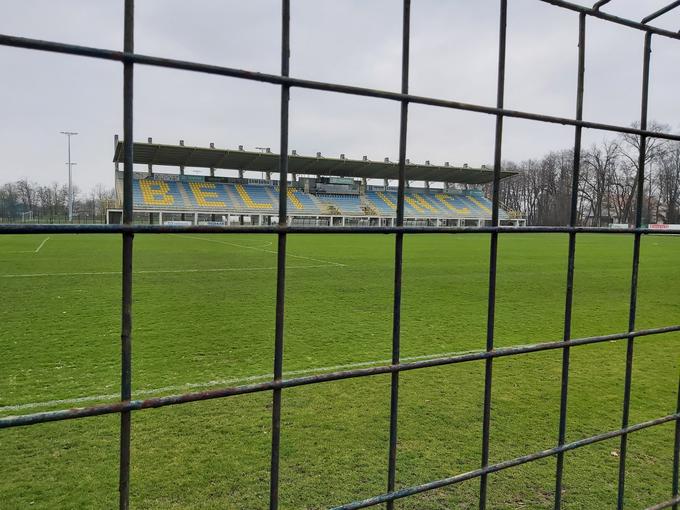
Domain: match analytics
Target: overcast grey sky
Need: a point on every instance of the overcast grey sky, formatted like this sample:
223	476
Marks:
453	55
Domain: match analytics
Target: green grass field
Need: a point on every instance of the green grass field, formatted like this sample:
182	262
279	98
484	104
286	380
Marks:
204	318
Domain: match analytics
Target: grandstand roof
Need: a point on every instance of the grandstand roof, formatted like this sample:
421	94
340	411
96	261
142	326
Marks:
207	157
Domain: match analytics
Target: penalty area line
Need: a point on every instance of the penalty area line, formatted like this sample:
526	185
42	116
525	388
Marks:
230	381
41	245
31	251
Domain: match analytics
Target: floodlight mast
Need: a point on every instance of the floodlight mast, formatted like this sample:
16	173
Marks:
264	150
69	134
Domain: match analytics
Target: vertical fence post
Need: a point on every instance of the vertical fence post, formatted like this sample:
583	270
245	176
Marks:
676	452
281	259
398	255
126	328
493	252
569	297
634	273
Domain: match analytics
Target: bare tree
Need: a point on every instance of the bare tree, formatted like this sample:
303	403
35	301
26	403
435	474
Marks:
8	202
669	182
598	169
26	194
629	150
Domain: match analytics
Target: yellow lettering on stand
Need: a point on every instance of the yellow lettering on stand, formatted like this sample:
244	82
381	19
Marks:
156	192
446	200
204	197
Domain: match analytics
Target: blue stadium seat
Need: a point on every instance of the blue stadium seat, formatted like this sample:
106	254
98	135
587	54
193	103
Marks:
237	198
346	204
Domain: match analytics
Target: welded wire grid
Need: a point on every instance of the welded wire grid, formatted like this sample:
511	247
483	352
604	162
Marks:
127	229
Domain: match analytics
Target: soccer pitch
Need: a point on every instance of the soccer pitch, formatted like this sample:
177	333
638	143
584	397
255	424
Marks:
203	318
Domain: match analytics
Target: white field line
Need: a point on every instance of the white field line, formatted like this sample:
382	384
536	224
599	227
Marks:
160	271
323	263
329	262
41	245
232	381
32	251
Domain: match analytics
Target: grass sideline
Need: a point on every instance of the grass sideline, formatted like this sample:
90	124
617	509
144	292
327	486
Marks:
204	311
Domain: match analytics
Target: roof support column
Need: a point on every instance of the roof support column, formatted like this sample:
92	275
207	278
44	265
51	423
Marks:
181	167
150	140
212	168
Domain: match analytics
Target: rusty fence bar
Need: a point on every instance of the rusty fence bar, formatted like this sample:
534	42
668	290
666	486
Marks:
281	261
493	252
660	12
134	405
398	256
634	272
500	466
676	456
278	383
600	3
128	237
666	504
571	254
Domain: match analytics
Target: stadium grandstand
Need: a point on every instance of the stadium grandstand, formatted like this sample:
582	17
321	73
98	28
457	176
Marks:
322	191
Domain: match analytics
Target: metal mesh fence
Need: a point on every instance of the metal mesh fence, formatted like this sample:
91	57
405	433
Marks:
127	405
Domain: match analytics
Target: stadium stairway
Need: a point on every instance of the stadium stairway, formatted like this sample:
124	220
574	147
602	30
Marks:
186	199
234	197
317	203
345	204
367	206
479	204
273	194
302	202
253	197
